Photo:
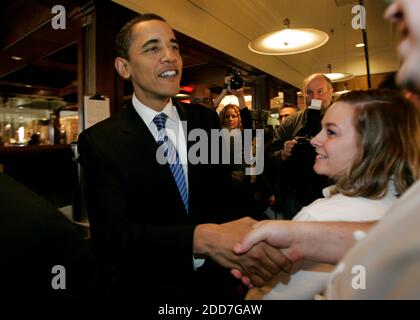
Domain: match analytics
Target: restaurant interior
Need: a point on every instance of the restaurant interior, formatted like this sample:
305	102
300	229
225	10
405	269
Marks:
46	73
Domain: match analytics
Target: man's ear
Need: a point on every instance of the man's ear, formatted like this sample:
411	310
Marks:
123	67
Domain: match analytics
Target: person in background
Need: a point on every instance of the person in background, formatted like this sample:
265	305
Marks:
201	94
287	110
43	255
234	139
236	118
230	118
34	141
290	153
271	173
361	132
227	90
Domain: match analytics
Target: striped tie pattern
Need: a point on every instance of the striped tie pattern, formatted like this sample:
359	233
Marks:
171	154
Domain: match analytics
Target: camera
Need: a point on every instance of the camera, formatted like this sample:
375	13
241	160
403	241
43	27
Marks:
303	140
303	152
313	122
236	82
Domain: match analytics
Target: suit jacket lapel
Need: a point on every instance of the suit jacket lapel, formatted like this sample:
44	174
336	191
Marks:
183	115
141	138
135	127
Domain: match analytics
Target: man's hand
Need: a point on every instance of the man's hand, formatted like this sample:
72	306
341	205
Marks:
323	242
276	233
287	149
216	241
238	93
261	263
226	81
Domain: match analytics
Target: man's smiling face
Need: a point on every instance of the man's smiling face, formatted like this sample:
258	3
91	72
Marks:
154	63
404	13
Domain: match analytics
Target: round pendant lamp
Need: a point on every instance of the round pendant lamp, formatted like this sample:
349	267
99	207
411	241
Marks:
288	41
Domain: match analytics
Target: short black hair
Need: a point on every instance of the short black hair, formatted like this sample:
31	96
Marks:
289	105
123	39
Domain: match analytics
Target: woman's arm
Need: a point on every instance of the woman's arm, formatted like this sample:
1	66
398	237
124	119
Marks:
325	242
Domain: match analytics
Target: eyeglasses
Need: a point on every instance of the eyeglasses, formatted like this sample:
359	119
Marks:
203	101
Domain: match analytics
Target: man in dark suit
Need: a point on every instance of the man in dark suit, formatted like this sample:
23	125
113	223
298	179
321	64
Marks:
150	225
42	254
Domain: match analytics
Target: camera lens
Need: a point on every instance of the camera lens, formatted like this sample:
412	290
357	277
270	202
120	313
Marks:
236	83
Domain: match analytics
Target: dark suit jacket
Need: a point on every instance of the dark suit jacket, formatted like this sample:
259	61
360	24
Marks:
34	237
139	225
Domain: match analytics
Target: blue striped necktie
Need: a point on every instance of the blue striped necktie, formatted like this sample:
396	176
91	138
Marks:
171	154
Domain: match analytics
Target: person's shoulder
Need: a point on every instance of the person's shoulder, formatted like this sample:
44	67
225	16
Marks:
107	127
339	207
105	124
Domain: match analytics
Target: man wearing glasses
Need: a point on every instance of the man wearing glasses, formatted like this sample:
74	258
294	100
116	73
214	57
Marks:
292	155
202	95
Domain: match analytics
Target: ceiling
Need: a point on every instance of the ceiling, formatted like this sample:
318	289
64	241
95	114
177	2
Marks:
229	25
223	28
48	58
48	64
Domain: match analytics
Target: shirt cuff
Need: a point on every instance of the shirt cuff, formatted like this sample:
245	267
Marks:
198	262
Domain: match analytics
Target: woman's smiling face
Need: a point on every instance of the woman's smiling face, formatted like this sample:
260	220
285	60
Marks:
336	143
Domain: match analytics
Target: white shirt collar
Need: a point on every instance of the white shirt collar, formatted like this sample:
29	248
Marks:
326	192
148	114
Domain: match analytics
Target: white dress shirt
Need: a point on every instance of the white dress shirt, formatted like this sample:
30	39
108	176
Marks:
174	128
308	278
389	256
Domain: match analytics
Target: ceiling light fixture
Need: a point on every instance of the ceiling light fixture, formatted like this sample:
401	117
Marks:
359	45
338	76
16	58
288	41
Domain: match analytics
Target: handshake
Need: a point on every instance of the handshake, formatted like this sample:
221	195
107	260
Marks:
246	248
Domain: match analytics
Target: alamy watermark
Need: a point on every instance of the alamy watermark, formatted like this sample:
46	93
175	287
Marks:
359	20
358	282
59	20
234	147
59	280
